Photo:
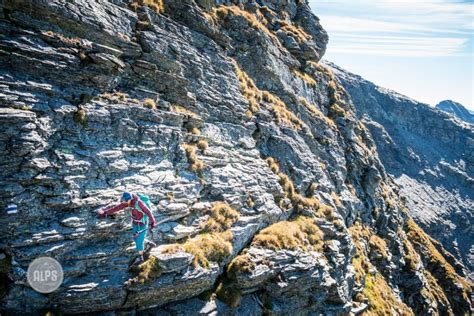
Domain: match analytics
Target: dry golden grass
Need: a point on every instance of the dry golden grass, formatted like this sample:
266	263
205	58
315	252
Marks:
281	112
298	201
336	198
378	245
412	259
202	145
195	164
335	110
273	165
221	218
80	116
221	13
240	264
312	189
335	91
338	223
250	202
382	299
205	248
182	110
148	270
294	31
255	97
286	184
442	271
249	90
358	233
301	233
328	212
156	5
316	112
194	131
149	103
433	291
316	67
305	77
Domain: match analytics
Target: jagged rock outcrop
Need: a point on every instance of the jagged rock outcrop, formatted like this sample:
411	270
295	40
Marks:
430	155
456	109
269	189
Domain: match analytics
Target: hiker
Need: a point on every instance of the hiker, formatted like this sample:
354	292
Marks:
141	217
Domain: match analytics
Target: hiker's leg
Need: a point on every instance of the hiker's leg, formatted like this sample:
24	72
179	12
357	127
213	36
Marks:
140	241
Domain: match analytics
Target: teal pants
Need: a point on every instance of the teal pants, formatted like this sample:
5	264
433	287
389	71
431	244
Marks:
139	235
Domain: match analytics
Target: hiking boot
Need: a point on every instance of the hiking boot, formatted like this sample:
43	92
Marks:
149	244
138	261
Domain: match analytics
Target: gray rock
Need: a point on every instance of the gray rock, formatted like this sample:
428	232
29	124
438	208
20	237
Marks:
74	134
171	262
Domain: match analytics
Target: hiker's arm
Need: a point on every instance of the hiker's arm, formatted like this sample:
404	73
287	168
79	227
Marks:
147	212
114	209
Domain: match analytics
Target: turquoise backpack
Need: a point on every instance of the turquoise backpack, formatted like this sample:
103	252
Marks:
145	199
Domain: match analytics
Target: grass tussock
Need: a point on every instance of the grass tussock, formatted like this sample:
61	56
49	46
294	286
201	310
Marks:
301	233
316	112
412	259
149	103
182	110
336	198
256	97
281	113
312	189
305	77
80	116
194	131
298	201
272	163
257	22
335	91
249	90
195	164
156	5
240	264
435	262
202	145
207	247
222	217
148	270
294	31
378	245
382	299
433	291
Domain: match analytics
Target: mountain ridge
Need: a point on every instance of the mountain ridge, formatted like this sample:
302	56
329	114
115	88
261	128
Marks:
436	178
456	109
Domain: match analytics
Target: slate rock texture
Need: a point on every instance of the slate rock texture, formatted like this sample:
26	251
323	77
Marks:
221	113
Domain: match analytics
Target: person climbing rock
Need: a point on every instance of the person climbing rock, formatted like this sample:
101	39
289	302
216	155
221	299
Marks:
141	217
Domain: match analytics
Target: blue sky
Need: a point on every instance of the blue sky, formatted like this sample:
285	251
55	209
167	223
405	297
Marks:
423	49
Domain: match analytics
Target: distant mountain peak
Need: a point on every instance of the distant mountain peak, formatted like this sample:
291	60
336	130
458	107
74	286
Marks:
456	109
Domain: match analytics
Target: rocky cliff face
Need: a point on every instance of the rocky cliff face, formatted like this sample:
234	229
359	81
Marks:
430	155
269	191
456	109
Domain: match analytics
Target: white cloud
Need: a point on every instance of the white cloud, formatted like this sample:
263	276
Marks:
397	27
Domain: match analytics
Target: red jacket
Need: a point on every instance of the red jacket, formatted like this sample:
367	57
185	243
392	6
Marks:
136	214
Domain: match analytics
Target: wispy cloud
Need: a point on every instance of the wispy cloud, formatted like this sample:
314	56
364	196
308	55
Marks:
408	28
